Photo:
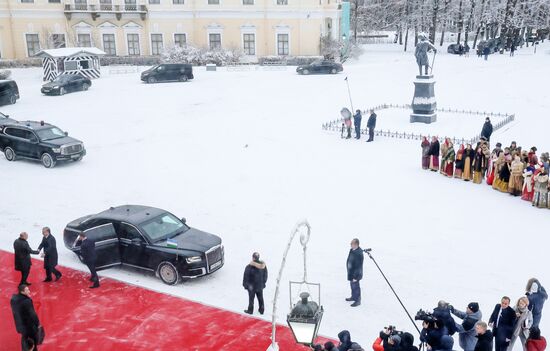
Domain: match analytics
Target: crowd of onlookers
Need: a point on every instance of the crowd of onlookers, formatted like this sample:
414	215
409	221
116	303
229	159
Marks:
505	327
513	170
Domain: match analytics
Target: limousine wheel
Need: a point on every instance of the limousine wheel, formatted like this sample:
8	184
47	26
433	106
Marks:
61	91
333	71
47	160
13	99
9	153
168	273
151	80
183	78
85	86
306	72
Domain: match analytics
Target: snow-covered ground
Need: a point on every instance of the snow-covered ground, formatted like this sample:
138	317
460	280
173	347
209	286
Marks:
242	154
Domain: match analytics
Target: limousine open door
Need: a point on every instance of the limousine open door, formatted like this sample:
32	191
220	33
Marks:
106	245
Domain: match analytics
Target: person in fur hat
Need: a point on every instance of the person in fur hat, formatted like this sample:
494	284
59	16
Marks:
537	296
254	279
516	177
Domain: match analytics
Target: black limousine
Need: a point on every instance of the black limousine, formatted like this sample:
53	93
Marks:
148	238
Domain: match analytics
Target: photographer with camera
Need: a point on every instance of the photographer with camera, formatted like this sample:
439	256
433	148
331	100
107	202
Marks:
346	344
443	312
466	330
432	330
388	340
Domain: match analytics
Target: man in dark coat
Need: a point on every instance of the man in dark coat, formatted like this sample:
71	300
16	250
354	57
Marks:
503	320
443	313
487	129
357	123
484	337
87	251
371	124
49	254
24	315
537	296
23	256
254	279
355	272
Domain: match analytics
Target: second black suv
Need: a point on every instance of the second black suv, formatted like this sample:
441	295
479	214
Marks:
168	72
9	92
38	141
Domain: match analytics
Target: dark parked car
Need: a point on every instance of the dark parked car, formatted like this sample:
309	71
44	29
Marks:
320	67
9	92
455	49
168	72
150	239
38	141
66	83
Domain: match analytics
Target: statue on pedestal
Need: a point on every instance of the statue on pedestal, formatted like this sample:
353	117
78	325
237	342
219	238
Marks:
421	53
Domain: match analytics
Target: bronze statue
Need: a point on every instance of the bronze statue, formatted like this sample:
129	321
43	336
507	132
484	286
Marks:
421	53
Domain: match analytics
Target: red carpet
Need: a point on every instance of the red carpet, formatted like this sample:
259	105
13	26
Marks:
121	317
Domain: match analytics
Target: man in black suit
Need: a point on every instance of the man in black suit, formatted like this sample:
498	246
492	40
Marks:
23	256
502	321
87	250
49	254
254	279
26	320
355	272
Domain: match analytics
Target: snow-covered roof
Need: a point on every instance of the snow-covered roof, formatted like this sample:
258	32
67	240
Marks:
68	52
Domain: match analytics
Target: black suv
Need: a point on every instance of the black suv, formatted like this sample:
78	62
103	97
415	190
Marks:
9	92
168	72
38	141
150	239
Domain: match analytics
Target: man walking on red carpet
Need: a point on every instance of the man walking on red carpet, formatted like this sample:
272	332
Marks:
23	256
254	279
49	254
87	250
26	320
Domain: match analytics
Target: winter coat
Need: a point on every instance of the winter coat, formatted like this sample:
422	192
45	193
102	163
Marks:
255	276
421	52
486	51
355	264
459	160
434	148
523	323
432	336
50	251
484	342
536	344
444	314
504	173
407	342
541	185
22	254
371	123
506	322
24	315
357	119
87	250
447	343
536	299
466	330
480	162
449	155
425	148
487	130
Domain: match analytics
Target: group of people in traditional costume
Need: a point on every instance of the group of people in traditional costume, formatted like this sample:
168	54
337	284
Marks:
511	170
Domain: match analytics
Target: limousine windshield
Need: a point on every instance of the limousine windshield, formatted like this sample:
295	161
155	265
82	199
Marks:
50	133
163	227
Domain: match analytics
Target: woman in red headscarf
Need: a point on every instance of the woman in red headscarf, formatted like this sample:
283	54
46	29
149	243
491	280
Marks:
425	145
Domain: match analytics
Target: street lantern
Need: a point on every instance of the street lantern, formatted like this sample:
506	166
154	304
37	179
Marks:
304	320
344	37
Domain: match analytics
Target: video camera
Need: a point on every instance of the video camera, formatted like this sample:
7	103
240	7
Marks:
392	330
425	316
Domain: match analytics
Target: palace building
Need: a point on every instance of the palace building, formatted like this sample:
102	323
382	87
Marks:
138	27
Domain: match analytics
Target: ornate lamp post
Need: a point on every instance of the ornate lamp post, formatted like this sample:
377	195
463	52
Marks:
305	317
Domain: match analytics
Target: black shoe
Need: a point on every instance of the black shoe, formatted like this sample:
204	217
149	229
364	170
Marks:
247	311
57	277
47	280
91	279
261	311
94	286
349	299
355	304
27	283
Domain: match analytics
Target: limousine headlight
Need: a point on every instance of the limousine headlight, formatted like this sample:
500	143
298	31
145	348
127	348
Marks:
56	150
193	259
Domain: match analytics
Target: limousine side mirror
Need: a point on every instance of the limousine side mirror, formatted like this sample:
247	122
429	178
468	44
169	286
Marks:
183	220
137	242
66	133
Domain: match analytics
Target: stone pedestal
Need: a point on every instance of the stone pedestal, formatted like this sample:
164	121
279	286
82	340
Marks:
424	103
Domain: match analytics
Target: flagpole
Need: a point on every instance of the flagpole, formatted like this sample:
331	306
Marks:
349	94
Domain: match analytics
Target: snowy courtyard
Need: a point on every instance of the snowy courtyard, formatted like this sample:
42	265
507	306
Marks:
242	154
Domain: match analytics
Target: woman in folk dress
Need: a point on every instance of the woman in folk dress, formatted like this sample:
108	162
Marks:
499	163
516	177
540	198
425	145
434	155
468	160
479	166
459	162
449	159
504	176
528	184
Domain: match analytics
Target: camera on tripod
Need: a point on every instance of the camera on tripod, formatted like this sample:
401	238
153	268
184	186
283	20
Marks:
425	316
391	330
